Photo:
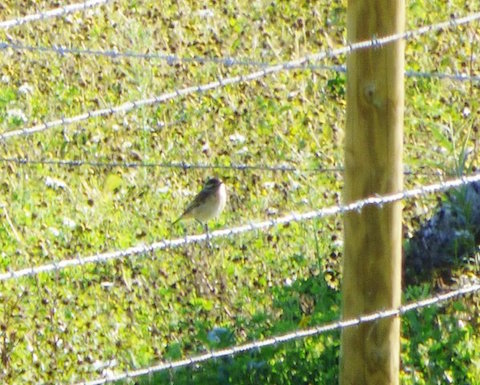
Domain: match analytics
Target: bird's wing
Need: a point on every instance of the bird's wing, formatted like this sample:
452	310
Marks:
199	198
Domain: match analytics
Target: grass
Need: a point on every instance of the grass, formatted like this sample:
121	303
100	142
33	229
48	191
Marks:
68	326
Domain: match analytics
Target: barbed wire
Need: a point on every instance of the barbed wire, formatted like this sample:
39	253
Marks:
229	232
169	165
222	82
56	12
437	299
439	75
115	54
185	166
142	249
461	77
226	61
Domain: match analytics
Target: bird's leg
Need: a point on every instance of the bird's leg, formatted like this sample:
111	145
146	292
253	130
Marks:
205	227
208	236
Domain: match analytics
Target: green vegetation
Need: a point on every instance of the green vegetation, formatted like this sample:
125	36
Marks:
131	313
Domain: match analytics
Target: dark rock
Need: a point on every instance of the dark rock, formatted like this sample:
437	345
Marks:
447	239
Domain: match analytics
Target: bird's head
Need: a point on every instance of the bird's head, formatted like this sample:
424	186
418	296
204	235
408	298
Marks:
213	183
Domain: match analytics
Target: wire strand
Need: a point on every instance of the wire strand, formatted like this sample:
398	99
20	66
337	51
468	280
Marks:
56	12
226	61
222	82
228	232
184	166
273	341
169	165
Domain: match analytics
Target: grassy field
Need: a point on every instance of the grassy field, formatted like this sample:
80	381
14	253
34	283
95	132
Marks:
85	322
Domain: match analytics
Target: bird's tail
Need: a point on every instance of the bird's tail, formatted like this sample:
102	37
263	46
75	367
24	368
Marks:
177	220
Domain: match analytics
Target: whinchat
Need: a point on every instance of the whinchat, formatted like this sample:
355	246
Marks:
208	203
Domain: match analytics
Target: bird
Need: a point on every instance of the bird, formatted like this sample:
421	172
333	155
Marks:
207	204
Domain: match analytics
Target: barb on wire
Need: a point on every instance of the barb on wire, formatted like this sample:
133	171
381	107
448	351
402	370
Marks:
438	299
57	12
263	72
264	225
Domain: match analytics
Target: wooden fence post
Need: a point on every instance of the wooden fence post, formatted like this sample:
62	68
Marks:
373	165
